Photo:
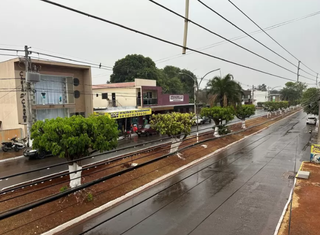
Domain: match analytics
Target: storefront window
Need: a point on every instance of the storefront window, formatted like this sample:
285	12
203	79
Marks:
43	114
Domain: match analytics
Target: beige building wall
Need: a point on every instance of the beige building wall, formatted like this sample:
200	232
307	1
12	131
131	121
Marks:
10	82
124	97
144	82
10	102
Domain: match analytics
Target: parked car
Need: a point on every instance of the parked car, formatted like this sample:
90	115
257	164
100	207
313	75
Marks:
205	120
311	121
146	130
197	120
36	154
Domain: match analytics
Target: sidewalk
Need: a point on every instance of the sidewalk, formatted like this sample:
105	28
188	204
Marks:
305	211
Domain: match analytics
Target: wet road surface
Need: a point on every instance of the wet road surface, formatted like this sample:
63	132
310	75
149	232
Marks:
24	164
242	190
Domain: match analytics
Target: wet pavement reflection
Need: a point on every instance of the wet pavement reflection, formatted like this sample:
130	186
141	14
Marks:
241	190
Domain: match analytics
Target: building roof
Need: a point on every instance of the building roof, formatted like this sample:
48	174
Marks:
50	62
114	85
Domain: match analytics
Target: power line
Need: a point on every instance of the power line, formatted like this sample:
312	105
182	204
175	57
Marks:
268	35
10	49
162	40
241	37
64	58
220	36
243	32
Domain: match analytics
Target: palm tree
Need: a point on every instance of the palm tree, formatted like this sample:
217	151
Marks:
224	90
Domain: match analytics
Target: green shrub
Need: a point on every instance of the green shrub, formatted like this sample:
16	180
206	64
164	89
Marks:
64	188
89	197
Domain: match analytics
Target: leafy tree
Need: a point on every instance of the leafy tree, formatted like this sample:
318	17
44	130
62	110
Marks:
174	80
175	125
75	137
292	92
274	106
225	91
310	100
262	87
134	66
243	112
218	114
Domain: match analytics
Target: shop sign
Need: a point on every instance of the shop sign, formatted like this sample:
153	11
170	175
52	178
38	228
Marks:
176	98
315	153
127	114
22	96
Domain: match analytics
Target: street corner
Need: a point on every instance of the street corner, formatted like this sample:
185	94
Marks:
302	211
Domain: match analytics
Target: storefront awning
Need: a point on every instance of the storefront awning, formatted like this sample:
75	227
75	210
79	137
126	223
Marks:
125	113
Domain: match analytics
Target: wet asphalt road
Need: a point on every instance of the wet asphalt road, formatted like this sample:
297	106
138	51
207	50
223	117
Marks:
24	164
242	190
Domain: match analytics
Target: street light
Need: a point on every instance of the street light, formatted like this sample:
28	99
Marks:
195	92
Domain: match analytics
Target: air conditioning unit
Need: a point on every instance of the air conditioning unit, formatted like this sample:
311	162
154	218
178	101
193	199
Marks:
33	77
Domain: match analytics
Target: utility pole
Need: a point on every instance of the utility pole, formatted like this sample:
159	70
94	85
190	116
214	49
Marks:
195	104
252	94
317	80
298	71
28	91
186	21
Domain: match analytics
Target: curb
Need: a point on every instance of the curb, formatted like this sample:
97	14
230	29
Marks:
286	206
136	191
285	209
10	159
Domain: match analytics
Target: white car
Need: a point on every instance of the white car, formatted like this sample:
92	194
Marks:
311	121
199	120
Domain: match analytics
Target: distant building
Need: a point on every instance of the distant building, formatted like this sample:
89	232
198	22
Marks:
134	102
246	97
63	90
260	96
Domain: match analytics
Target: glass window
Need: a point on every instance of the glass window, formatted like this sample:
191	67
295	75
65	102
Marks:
43	114
50	90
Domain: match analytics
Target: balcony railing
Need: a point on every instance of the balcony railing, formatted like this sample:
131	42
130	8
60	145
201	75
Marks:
150	101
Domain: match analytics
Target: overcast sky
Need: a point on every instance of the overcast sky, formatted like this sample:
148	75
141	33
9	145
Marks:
60	32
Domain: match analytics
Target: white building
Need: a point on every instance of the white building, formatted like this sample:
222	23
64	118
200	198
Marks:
260	96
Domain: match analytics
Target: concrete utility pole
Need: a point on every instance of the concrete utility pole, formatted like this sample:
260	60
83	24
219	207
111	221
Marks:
28	91
186	21
317	80
252	94
298	71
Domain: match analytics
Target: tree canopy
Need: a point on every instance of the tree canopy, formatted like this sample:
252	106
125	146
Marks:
224	90
292	92
173	80
310	100
76	136
173	124
262	87
134	66
218	114
273	106
245	111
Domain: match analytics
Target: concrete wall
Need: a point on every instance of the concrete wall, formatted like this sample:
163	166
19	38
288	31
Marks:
9	81
260	96
124	97
144	82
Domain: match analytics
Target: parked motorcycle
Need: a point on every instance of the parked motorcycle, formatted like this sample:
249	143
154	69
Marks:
14	144
19	145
